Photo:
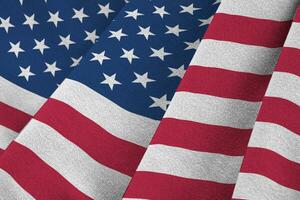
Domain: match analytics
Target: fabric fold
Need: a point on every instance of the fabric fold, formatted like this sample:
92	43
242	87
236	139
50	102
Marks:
88	138
198	148
44	41
271	167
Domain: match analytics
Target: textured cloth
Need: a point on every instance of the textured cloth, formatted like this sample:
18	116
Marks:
88	138
197	151
271	167
116	129
41	43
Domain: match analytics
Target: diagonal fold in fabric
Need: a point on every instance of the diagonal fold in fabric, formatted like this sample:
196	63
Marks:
49	40
87	139
271	167
198	148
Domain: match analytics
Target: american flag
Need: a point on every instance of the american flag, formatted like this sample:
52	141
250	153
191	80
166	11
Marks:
199	146
93	105
85	140
41	43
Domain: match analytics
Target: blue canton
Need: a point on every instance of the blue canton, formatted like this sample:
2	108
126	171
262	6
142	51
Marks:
43	41
141	57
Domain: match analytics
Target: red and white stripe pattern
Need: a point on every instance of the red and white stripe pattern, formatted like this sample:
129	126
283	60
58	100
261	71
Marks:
17	106
198	148
271	167
89	152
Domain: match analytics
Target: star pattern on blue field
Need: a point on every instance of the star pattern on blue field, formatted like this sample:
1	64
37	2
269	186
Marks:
133	52
49	36
140	59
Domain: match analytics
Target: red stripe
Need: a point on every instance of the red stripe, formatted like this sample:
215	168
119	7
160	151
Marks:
272	165
297	15
280	111
202	137
107	149
220	82
289	61
247	30
157	186
2	151
35	176
12	118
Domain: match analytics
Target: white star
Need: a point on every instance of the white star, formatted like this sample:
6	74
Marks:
91	36
206	21
79	14
217	1
105	10
177	72
145	32
15	48
192	45
52	68
54	17
161	102
40	45
134	14
26	73
117	34
100	57
129	55
66	41
5	23
160	53
161	11
30	21
189	9
142	79
110	81
174	30
76	61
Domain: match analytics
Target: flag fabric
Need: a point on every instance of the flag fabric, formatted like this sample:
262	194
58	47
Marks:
87	139
92	103
197	151
271	167
41	42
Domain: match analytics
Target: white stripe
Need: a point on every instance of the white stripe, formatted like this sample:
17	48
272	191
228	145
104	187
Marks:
254	186
236	57
213	110
116	120
6	136
279	10
19	98
10	189
276	138
293	38
191	164
92	178
286	86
